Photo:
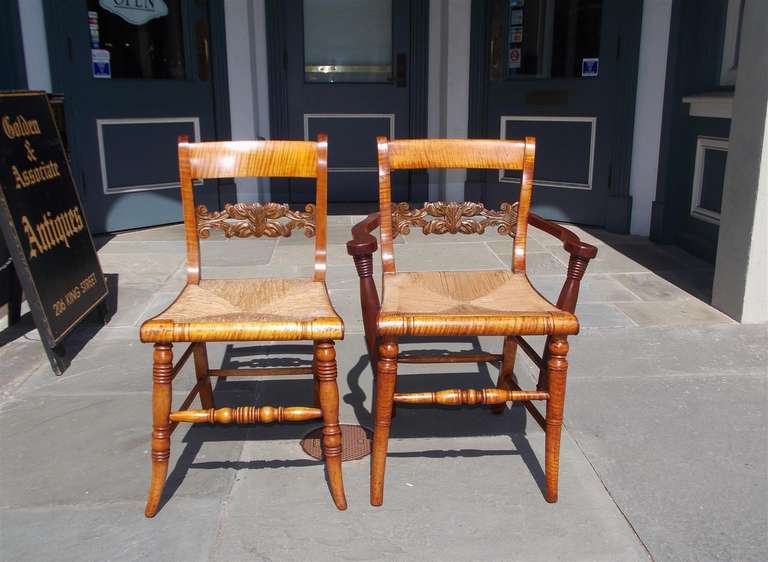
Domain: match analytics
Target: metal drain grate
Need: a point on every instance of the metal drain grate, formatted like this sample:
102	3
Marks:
355	442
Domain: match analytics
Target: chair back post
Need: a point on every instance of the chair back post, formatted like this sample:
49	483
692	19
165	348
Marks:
385	206
188	210
524	206
321	208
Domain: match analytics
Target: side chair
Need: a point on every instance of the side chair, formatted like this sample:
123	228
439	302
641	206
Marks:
230	310
464	303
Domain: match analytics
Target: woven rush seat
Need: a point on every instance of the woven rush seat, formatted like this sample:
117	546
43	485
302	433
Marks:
247	310
468	303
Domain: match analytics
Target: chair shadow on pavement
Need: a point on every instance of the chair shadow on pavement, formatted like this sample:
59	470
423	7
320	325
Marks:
410	421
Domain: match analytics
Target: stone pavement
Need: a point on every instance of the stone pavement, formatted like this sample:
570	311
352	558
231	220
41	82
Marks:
664	449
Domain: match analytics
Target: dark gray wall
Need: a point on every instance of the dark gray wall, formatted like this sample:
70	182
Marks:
693	67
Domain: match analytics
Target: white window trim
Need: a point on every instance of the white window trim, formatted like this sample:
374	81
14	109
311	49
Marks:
730	63
702	145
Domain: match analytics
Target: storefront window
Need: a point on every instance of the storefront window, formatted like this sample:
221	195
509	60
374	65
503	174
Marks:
545	38
348	41
139	39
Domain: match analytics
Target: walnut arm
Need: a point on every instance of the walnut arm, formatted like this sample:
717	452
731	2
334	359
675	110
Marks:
363	245
580	252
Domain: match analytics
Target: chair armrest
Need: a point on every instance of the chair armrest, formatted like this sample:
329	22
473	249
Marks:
580	252
363	242
361	248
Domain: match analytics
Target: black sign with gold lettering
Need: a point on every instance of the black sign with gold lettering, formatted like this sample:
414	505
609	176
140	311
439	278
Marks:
42	219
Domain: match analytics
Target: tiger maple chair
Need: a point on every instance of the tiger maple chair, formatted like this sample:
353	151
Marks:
464	303
228	310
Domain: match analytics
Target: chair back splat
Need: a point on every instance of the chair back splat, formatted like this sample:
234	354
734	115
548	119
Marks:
456	153
237	159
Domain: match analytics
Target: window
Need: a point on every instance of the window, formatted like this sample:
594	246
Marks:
348	41
708	178
140	43
545	38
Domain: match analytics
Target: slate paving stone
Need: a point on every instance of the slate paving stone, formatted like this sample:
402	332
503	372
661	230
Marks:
115	531
697	282
132	303
536	263
139	268
19	359
346	302
669	352
594	289
445	257
338	234
601	315
247	251
116	245
674	313
684	457
457	499
96	449
490	236
305	254
670	413
158	303
162	233
651	287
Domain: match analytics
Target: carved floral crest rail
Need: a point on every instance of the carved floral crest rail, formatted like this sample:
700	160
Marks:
454	218
244	220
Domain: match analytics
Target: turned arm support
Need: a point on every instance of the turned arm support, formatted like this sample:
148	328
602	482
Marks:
362	247
580	252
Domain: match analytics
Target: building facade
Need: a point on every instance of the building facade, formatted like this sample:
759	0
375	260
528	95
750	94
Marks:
649	115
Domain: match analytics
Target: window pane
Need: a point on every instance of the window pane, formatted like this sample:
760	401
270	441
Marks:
713	179
544	38
348	40
139	47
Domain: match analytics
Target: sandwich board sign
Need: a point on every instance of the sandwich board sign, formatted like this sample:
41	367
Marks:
43	222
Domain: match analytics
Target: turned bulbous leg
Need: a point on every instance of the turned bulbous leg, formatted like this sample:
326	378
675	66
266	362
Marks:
386	377
162	373
557	368
328	396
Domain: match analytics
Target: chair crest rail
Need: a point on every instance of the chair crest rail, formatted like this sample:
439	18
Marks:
243	220
454	218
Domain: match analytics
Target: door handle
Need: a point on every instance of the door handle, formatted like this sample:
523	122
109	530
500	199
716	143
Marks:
401	70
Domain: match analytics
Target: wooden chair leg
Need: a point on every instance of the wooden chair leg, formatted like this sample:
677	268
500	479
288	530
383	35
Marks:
557	368
203	380
506	370
325	373
162	373
385	391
